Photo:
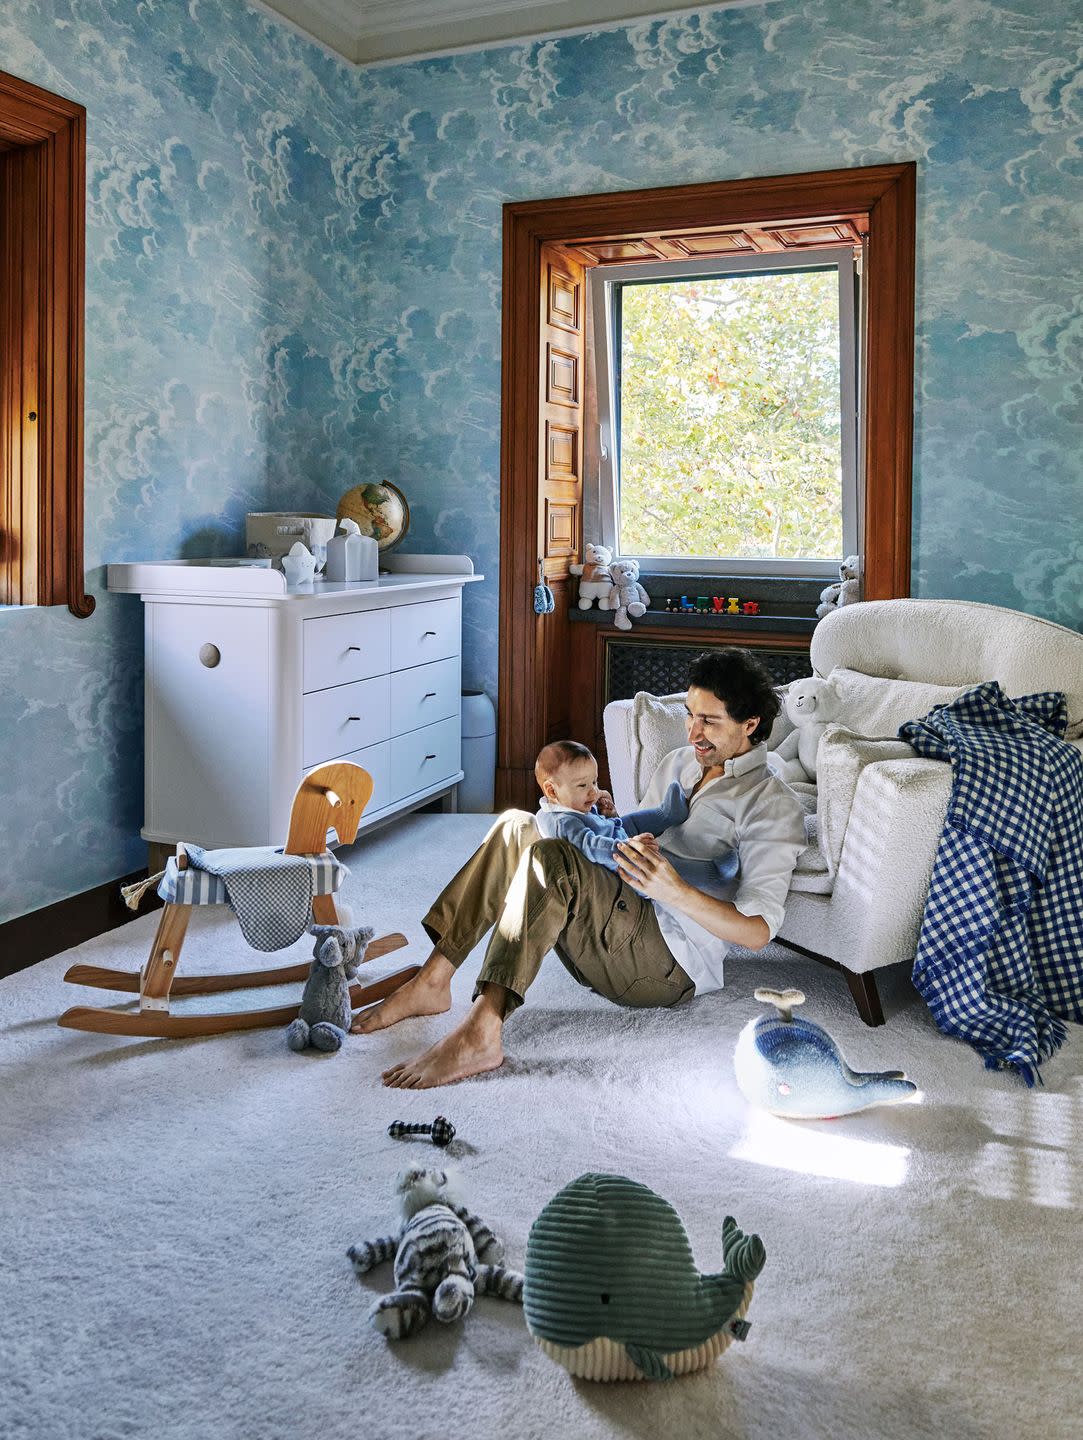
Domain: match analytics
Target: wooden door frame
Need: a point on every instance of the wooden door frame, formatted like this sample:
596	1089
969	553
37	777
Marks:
43	172
886	195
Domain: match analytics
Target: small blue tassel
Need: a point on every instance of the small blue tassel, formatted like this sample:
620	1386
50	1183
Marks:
544	604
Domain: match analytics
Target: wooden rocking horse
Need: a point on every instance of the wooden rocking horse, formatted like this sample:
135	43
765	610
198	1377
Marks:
333	795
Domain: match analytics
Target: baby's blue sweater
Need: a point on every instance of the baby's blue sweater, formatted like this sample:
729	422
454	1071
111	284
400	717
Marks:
598	835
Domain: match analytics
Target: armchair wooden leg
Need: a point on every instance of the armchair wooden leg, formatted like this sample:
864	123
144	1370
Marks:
866	996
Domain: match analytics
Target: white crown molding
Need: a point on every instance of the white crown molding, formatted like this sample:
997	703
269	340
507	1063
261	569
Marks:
391	32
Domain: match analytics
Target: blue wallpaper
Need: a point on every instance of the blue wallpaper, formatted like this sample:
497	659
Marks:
293	283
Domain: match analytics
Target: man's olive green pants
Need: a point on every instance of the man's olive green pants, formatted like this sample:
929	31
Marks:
544	895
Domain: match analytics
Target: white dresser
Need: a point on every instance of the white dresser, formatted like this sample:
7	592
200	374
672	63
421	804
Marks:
249	684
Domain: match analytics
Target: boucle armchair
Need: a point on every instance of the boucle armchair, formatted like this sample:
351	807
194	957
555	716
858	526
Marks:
874	817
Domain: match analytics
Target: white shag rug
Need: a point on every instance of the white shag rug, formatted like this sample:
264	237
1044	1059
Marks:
175	1214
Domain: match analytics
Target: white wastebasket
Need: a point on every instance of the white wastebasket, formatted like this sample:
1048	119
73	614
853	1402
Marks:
479	754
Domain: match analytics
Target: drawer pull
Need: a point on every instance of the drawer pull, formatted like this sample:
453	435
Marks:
353	717
428	632
353	647
429	695
430	757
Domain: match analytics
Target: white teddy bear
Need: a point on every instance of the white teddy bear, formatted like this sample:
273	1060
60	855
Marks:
626	595
811	706
845	590
595	578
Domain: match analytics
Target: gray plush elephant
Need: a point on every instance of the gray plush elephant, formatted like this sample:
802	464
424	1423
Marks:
325	1003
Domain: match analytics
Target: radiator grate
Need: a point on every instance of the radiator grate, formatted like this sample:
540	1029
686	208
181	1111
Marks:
632	665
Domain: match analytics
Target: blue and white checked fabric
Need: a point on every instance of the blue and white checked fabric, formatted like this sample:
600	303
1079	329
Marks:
1000	956
270	893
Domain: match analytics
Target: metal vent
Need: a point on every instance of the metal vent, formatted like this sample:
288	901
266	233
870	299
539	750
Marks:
663	669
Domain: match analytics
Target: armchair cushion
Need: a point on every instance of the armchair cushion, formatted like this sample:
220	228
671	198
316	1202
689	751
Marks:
876	705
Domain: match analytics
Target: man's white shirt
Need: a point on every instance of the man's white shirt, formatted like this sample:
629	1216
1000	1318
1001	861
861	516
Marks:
747	809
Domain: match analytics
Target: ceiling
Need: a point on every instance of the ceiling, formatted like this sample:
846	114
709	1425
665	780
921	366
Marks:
370	31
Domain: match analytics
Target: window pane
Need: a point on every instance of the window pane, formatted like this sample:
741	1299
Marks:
730	431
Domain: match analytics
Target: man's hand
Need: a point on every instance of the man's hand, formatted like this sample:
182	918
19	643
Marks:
605	804
641	862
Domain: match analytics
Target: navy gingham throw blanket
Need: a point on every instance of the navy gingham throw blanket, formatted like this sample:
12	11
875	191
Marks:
1000	956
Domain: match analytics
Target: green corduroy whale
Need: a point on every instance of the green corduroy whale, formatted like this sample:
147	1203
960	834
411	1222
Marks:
612	1291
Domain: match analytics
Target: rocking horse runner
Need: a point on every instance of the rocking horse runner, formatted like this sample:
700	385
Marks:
333	796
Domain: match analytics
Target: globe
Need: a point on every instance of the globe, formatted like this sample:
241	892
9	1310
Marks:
380	510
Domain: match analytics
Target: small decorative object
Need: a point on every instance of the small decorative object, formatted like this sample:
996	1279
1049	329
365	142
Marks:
669	604
441	1131
703	604
325	1012
544	604
378	510
299	566
444	1256
751	607
627	596
717	602
686	604
845	590
791	1067
352	556
612	1291
270	533
811	705
595	579
733	606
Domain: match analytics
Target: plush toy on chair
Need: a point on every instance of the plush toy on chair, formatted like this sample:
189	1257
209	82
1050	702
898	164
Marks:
595	579
811	705
444	1256
845	590
326	1012
626	596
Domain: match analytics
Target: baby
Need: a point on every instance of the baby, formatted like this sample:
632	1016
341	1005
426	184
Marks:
571	806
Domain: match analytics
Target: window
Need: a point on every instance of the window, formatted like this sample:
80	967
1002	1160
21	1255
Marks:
728	412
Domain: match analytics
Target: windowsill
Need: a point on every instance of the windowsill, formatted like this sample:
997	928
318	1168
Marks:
690	620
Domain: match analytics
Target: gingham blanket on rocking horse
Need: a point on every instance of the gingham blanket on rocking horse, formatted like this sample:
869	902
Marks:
275	894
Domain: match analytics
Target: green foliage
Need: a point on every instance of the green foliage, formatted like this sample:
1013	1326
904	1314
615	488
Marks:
730	424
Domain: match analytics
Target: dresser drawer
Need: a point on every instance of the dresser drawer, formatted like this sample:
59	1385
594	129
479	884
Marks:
341	648
424	757
425	694
424	632
345	718
376	759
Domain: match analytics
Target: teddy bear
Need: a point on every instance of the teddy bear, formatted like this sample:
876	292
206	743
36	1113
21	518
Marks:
845	590
595	579
811	705
325	1011
626	595
444	1256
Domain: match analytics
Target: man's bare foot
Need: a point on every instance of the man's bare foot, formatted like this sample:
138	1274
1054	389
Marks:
425	994
470	1049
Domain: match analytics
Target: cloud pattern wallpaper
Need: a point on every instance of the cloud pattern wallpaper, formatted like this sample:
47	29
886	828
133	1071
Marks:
293	284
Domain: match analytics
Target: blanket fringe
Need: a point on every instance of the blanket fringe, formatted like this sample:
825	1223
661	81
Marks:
133	893
1052	1035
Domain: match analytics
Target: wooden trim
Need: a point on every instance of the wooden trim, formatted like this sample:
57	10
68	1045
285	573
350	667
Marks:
880	198
42	245
36	936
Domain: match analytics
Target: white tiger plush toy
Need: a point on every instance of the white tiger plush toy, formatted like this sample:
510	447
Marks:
444	1256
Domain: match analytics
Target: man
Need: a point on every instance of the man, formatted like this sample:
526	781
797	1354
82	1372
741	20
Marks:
652	945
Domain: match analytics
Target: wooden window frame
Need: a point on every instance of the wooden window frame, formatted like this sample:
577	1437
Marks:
879	200
42	280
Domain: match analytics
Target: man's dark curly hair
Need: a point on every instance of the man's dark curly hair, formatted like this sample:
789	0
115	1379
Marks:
741	683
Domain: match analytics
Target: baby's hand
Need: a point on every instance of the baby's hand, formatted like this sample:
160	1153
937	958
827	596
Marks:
605	804
648	839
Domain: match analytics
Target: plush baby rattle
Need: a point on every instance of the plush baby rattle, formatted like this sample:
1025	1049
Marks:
626	595
444	1256
811	706
595	580
325	1012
